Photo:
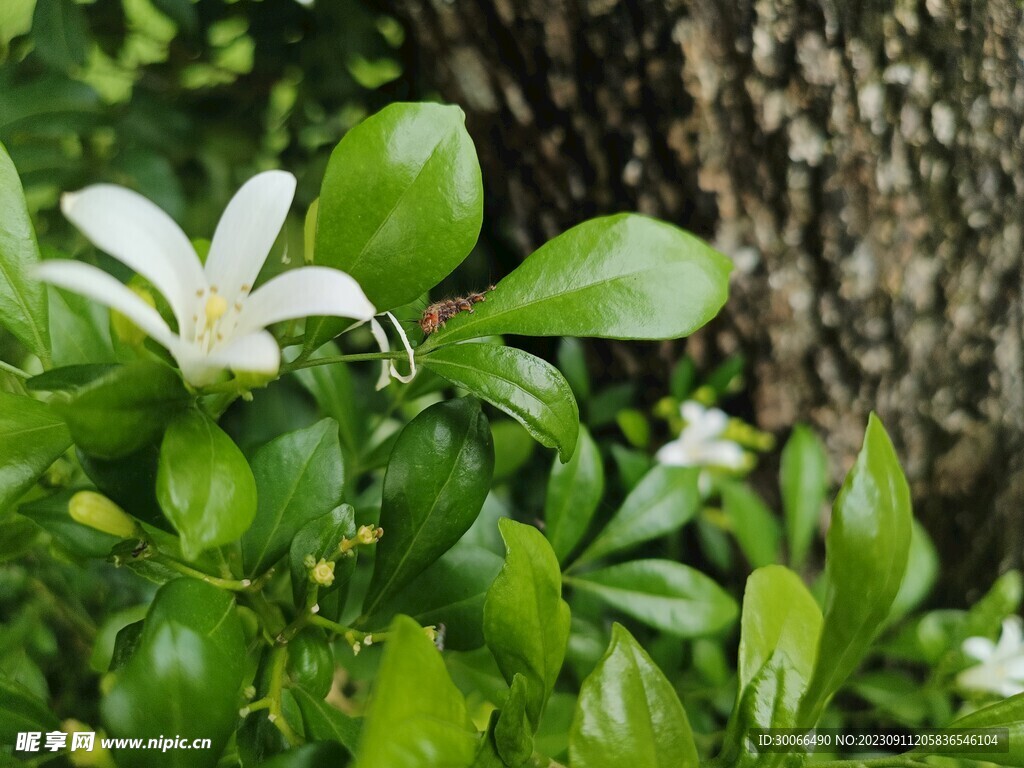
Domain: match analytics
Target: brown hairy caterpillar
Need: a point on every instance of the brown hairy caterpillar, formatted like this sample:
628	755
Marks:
440	312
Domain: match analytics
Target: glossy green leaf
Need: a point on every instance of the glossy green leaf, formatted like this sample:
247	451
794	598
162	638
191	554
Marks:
450	592
334	390
204	484
416	717
401	202
780	616
68	377
780	629
664	501
22	299
184	677
755	527
1009	714
922	571
803	478
32	437
513	447
21	710
119	413
313	755
320	538
572	362
574	491
666	595
622	277
528	389
526	621
79	329
311	661
299	477
513	731
61	33
629	714
130	482
436	482
324	722
866	556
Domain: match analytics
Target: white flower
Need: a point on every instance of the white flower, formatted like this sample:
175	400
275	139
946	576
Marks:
699	444
1001	670
220	319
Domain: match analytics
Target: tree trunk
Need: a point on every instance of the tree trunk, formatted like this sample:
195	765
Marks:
861	162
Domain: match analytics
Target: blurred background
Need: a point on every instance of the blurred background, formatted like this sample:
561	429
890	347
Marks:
861	163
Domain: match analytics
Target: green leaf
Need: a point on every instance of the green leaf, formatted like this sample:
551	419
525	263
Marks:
526	621
513	447
450	592
21	710
866	557
124	410
528	389
779	634
68	377
320	538
61	33
919	578
22	299
666	595
299	477
322	721
436	482
803	478
79	330
754	526
1009	714
780	617
334	390
513	731
17	535
401	202
621	277
416	717
629	714
204	484
31	439
313	755
183	679
574	491
572	362
664	501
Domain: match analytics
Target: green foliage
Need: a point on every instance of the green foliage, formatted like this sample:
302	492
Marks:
370	575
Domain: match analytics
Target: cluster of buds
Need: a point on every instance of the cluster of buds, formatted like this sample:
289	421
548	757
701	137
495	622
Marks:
365	536
357	640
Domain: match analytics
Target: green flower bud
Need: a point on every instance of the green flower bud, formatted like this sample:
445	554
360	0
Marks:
97	511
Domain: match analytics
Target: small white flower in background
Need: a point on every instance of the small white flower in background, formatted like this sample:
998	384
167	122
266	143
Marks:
1001	667
221	320
700	444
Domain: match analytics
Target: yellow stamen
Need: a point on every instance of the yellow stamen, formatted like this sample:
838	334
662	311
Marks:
216	306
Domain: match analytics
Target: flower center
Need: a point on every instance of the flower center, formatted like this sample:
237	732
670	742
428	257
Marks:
216	306
216	316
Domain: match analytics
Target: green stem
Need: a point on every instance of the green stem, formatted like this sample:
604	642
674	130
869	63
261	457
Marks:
300	363
275	714
234	585
14	370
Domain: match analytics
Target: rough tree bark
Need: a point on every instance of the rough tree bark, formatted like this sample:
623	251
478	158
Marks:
860	161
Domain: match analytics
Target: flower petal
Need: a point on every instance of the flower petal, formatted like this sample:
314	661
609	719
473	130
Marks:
676	453
301	293
1011	635
247	231
408	350
139	234
99	286
253	353
980	648
722	453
